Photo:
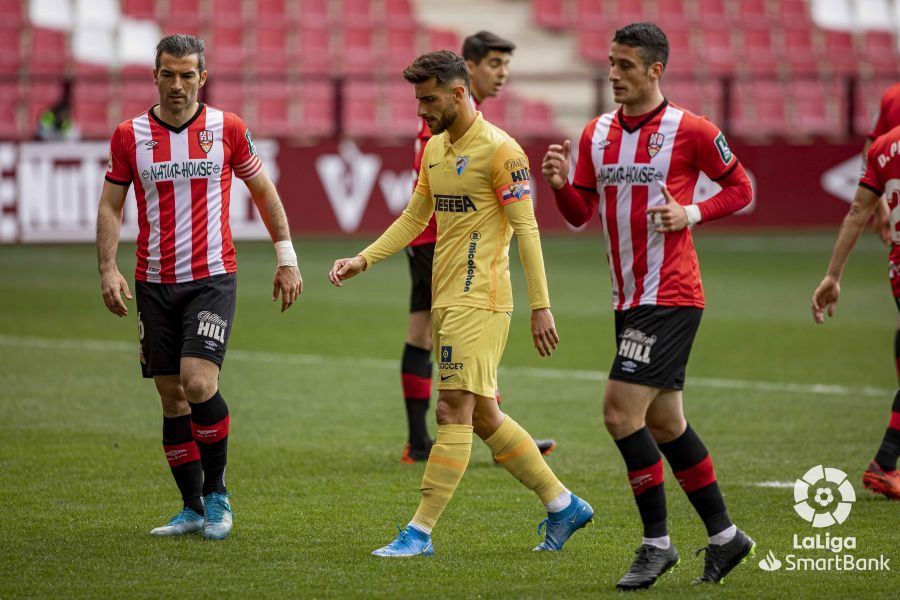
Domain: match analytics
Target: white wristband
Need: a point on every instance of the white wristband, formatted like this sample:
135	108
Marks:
693	214
285	253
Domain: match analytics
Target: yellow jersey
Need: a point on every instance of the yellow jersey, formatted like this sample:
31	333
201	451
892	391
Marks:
479	190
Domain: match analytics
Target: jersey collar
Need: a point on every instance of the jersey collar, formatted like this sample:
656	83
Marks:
474	129
188	123
650	116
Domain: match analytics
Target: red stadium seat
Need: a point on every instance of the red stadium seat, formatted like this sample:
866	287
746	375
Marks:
815	108
439	39
314	56
840	54
39	96
225	50
273	109
227	12
682	58
399	13
628	11
272	12
672	14
880	51
187	16
358	14
10	101
230	94
271	54
589	14
402	118
361	104
136	96
752	13
799	52
759	109
314	14
316	108
535	120
712	14
717	52
49	51
358	54
701	98
139	9
868	102
496	110
758	52
551	14
90	103
794	14
12	58
401	49
593	45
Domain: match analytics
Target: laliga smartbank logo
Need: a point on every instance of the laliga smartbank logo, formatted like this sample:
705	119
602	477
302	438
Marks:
823	497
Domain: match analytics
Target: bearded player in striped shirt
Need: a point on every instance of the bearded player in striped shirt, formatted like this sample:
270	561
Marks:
180	155
643	162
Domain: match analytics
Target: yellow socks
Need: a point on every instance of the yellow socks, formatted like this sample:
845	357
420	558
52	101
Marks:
514	449
445	467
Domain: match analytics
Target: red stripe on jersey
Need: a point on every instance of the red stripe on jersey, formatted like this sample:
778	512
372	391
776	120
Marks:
611	200
165	190
199	210
143	238
228	254
697	477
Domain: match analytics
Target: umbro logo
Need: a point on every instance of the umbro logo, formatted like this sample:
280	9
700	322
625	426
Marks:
152	143
604	144
640	480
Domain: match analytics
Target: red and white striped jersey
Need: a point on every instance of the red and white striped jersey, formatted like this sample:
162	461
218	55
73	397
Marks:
888	112
626	162
182	183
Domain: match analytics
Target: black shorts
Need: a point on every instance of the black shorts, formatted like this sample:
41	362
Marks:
184	319
421	259
654	344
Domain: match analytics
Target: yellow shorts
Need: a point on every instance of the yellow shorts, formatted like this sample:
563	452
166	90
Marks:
469	343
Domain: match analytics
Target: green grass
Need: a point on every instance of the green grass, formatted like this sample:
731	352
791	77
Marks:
317	431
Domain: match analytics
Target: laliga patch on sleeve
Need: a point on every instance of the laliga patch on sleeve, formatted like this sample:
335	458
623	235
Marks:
722	147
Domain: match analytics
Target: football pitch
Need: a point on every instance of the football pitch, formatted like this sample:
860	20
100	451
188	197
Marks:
318	426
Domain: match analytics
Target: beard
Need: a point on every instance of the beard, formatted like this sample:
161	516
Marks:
446	120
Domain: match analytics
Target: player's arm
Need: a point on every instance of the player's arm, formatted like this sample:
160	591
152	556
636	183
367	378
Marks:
288	282
516	200
882	214
577	202
411	222
109	227
827	293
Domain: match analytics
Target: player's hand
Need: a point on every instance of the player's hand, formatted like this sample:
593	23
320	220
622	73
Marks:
882	221
555	165
825	298
543	331
669	217
113	286
345	268
289	283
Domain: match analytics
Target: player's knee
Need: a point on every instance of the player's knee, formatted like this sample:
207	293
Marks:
174	403
452	408
619	422
666	431
198	388
485	424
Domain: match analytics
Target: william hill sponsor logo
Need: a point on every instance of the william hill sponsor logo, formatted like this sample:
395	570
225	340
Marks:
632	174
453	204
212	325
166	171
636	346
521	175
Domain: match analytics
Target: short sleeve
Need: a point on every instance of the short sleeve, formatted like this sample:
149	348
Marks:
118	168
585	172
422	185
510	174
871	178
244	160
714	157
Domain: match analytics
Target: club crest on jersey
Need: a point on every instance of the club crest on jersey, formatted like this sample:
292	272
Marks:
206	140
655	143
461	163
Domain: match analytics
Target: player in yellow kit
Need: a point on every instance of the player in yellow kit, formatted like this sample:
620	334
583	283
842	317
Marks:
475	180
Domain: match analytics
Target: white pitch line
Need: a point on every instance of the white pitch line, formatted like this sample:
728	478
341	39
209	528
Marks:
773	484
382	363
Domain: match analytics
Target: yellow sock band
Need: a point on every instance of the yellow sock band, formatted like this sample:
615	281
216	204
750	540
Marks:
516	451
445	467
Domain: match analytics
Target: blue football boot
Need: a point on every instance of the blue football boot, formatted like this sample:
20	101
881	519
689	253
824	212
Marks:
187	521
219	516
410	542
561	525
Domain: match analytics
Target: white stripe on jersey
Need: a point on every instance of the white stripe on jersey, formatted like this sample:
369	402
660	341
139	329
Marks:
144	161
601	131
215	122
183	208
656	242
627	151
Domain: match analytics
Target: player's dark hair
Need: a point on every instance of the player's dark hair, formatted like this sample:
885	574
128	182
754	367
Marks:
444	66
649	39
181	45
477	46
